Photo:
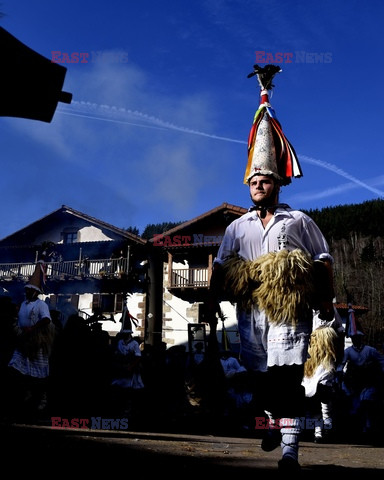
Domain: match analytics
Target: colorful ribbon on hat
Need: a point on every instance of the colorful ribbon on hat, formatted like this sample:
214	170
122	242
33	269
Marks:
287	161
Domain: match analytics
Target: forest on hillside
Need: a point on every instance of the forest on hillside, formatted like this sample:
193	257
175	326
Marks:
355	234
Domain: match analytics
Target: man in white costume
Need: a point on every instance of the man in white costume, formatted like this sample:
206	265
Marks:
268	261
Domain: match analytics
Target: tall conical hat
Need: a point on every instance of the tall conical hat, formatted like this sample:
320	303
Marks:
126	320
126	324
269	151
36	280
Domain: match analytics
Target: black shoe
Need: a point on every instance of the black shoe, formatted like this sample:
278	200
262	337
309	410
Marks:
271	440
289	464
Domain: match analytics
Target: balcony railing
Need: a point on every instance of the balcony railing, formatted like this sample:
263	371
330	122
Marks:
100	268
189	278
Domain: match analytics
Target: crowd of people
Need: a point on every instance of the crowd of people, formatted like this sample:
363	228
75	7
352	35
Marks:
80	371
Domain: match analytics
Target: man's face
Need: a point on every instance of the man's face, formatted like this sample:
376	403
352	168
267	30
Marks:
31	294
262	188
357	340
126	336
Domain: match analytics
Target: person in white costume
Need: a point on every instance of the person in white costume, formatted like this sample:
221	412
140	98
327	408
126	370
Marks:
269	263
29	365
320	380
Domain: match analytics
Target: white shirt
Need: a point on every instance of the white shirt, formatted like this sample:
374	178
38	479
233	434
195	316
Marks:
231	366
320	376
336	323
130	349
29	314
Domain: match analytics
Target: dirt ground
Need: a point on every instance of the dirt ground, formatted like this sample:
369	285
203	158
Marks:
47	451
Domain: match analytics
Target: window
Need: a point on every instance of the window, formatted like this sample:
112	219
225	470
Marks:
196	334
108	303
63	306
57	302
69	237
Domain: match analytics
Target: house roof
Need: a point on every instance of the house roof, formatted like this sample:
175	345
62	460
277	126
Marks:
207	226
54	216
344	307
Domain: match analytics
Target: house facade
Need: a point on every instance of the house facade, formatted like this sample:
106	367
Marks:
90	266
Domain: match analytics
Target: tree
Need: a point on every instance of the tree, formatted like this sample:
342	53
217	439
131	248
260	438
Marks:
156	228
133	230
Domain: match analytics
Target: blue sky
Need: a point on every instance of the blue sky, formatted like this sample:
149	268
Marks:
162	106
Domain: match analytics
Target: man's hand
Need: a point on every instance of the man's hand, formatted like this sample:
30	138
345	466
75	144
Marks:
326	310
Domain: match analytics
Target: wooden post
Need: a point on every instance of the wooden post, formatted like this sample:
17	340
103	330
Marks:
170	261
210	263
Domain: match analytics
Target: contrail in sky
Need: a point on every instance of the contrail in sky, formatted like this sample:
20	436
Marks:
119	115
342	173
107	113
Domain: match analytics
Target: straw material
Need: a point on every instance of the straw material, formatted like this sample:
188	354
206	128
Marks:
280	283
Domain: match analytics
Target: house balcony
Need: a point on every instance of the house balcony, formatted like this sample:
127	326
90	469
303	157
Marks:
67	270
190	278
189	284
